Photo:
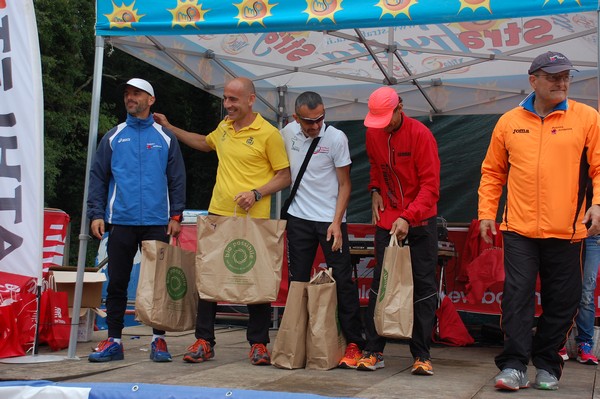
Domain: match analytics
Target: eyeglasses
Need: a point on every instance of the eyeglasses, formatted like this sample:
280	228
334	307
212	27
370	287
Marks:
310	121
556	78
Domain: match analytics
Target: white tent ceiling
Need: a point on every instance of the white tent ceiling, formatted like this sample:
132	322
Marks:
468	67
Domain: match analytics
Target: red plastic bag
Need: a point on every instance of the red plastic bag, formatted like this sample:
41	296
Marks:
10	345
55	325
484	271
25	309
450	328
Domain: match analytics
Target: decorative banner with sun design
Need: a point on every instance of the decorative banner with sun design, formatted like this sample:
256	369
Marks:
187	13
321	9
251	11
562	1
134	17
474	5
123	16
396	7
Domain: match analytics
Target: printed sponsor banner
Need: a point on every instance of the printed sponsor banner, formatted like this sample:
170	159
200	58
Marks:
455	288
193	16
21	141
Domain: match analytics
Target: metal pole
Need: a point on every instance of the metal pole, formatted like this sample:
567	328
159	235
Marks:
84	232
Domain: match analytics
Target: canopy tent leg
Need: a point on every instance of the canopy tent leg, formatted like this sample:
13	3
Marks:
84	236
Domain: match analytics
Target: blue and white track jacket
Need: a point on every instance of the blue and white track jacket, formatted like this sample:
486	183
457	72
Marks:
137	177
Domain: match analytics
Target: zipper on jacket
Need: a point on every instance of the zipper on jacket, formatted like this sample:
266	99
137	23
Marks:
392	162
140	152
537	193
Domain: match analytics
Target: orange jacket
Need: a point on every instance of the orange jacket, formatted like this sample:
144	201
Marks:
544	163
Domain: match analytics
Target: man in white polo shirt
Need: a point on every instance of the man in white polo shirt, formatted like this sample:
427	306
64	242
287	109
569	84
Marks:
317	214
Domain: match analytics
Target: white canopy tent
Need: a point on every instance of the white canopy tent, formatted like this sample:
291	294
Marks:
474	64
444	57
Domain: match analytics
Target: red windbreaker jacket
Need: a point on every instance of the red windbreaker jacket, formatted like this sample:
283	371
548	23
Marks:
406	168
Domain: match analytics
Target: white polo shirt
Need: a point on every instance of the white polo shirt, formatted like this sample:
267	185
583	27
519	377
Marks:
317	194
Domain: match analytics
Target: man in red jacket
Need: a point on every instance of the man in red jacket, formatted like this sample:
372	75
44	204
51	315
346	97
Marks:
405	186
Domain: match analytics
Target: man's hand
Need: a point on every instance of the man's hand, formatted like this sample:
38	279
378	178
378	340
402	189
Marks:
97	228
400	228
245	200
161	119
334	230
174	228
592	216
484	226
376	206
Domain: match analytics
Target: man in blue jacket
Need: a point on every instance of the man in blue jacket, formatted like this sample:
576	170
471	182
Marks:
136	193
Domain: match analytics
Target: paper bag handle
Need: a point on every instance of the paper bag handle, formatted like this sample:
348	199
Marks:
235	211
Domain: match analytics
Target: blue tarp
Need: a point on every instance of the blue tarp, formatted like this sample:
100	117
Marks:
140	391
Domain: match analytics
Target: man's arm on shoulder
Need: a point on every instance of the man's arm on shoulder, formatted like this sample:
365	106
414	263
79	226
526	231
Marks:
194	140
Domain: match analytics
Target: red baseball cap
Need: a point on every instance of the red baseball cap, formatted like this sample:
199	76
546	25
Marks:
382	104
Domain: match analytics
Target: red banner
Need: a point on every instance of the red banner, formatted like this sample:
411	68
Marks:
456	287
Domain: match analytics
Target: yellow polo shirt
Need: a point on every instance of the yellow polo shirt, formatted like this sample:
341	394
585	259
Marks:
248	159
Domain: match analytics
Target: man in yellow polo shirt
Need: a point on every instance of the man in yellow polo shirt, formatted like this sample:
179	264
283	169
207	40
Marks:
252	165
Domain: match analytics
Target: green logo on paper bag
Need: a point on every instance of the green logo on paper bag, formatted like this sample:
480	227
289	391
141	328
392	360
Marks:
239	256
383	285
176	283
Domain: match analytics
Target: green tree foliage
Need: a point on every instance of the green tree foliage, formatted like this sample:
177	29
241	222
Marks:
66	37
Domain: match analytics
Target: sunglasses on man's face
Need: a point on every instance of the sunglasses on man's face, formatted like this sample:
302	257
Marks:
318	119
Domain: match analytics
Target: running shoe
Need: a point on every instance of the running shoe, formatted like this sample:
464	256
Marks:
422	367
159	351
259	355
351	357
199	352
585	355
107	351
370	361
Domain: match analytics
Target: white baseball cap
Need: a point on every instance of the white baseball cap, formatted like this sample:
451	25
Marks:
141	84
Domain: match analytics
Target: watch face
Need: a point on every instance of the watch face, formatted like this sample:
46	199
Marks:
257	195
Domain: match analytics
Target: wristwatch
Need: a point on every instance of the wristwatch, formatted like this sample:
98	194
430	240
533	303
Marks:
257	194
375	190
177	218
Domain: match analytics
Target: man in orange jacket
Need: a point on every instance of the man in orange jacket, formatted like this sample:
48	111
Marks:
550	145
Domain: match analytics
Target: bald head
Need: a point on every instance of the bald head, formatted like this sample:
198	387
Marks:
238	98
242	84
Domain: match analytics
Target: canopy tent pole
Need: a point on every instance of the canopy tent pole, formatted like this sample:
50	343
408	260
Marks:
282	118
84	236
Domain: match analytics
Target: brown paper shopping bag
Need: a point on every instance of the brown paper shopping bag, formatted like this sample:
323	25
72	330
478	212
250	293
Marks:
166	296
289	349
239	259
394	306
325	343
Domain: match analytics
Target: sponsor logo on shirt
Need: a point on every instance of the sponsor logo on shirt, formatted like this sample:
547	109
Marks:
150	146
520	131
250	141
559	129
124	140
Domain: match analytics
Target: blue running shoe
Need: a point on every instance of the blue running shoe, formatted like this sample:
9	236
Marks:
106	351
159	351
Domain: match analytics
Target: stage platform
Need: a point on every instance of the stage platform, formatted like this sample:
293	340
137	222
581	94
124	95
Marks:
465	372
